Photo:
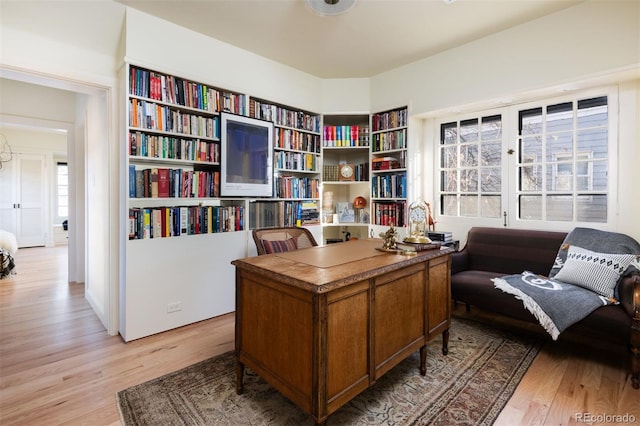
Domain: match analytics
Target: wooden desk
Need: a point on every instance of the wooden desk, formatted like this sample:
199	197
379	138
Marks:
323	324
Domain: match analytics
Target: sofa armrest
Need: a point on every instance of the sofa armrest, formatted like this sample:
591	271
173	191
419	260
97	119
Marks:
459	261
629	294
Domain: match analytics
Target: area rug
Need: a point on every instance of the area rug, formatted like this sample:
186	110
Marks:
469	386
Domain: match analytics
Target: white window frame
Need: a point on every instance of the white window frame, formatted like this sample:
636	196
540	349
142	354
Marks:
57	218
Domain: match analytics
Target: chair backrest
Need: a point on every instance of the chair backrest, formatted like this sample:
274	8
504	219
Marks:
276	240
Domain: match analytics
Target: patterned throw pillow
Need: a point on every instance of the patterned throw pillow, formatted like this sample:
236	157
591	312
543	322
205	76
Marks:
598	272
279	246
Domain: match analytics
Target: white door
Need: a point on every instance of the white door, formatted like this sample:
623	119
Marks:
22	195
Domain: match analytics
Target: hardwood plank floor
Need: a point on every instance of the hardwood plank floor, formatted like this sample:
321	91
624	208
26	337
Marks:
58	366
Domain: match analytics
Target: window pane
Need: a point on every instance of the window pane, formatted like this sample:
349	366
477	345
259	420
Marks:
594	141
468	155
449	180
598	179
492	128
469	205
491	205
593	112
449	157
592	208
469	131
560	207
530	149
490	153
449	205
530	122
530	207
559	146
530	178
490	179
560	177
560	117
449	133
469	180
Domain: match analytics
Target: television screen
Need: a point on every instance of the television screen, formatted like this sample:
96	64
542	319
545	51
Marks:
246	166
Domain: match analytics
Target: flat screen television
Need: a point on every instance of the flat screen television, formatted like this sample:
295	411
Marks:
246	156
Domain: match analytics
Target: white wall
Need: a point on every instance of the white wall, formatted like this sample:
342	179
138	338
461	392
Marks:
346	95
590	39
179	51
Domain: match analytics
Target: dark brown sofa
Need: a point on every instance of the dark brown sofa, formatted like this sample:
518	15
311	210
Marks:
494	252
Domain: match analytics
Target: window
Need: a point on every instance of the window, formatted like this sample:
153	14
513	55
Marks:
62	191
557	171
563	163
471	167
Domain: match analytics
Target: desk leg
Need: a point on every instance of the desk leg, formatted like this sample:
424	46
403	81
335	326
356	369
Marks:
445	342
239	377
423	360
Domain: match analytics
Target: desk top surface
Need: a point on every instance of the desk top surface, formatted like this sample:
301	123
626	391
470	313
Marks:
326	267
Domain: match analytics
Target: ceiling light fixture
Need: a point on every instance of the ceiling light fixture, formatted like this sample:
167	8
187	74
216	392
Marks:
330	7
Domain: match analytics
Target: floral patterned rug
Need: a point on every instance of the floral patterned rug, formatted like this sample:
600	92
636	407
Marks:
469	386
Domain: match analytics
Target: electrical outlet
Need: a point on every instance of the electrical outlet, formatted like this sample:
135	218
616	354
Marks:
174	307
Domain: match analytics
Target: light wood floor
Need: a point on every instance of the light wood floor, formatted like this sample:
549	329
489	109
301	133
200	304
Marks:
58	365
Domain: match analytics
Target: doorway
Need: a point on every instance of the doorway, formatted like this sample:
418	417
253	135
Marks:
89	127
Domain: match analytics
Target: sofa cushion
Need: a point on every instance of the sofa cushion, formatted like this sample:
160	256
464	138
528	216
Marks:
610	323
506	251
598	272
595	239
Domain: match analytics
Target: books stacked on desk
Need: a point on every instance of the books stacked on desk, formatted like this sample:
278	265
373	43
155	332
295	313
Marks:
442	236
419	246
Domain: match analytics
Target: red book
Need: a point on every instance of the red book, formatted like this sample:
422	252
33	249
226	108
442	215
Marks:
163	183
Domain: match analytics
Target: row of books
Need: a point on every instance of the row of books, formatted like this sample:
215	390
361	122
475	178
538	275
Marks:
389	186
168	147
264	214
386	163
296	161
174	90
389	120
173	183
162	222
296	187
387	214
330	172
345	136
396	139
300	141
282	116
151	116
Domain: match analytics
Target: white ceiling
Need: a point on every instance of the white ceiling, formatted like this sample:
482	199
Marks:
373	37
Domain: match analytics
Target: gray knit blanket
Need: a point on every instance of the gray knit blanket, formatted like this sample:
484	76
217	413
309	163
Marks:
556	305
